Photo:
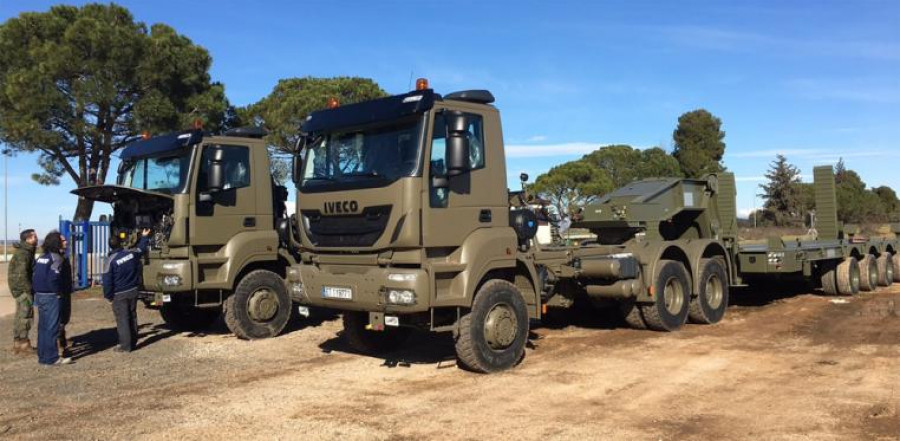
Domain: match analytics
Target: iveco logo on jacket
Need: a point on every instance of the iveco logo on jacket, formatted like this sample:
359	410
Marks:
340	207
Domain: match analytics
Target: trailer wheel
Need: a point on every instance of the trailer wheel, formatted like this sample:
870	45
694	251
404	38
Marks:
672	298
367	341
896	264
182	317
631	312
712	299
493	334
885	264
260	307
848	276
828	277
868	273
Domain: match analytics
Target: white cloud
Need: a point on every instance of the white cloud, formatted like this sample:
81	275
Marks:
537	138
545	150
744	213
867	90
749	178
770	153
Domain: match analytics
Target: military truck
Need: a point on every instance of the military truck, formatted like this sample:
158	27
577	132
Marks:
220	243
405	222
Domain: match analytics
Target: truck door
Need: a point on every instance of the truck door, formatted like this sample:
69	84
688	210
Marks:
221	215
472	200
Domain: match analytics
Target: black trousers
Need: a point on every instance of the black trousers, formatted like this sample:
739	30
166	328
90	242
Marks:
125	308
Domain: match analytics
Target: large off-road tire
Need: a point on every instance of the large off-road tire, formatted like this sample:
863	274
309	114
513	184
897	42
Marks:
848	277
885	265
493	334
709	305
672	298
631	312
896	262
182	317
868	273
260	306
371	342
828	277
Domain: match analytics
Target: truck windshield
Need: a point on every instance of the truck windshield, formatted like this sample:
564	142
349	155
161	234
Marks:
367	156
165	173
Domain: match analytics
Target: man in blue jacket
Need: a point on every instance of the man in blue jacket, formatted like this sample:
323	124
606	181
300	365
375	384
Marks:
121	281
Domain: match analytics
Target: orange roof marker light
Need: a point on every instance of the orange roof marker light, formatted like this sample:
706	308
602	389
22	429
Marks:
333	103
421	83
198	123
145	135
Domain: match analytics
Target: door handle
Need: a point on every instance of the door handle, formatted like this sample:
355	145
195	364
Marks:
484	215
249	222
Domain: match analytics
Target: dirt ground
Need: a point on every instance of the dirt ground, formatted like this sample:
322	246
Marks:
793	368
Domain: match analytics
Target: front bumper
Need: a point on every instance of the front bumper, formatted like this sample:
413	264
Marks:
370	287
164	275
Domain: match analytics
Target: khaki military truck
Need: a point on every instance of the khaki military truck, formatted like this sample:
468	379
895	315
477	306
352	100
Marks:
406	222
220	242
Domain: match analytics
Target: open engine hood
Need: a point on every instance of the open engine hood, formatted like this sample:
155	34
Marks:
115	193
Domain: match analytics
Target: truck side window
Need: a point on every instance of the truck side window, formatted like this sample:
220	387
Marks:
237	167
475	134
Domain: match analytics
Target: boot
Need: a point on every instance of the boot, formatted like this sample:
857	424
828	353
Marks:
62	347
22	346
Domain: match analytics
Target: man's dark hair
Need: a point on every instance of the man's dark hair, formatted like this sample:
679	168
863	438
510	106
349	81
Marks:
25	234
53	243
114	242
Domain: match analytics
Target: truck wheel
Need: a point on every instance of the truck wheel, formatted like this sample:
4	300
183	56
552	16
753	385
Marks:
260	306
848	276
885	264
712	299
631	312
896	261
672	296
828	277
493	334
868	273
188	318
371	342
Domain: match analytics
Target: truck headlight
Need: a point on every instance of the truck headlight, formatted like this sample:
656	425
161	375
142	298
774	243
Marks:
297	289
402	277
171	280
401	297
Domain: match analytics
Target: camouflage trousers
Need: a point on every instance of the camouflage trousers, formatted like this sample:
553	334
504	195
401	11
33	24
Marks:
24	316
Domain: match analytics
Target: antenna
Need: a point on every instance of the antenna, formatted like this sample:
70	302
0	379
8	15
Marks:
409	86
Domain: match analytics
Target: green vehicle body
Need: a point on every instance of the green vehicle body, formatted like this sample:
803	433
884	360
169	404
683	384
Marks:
441	246
208	237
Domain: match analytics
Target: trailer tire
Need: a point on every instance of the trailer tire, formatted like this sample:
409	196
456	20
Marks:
828	277
709	305
868	273
493	334
672	298
189	318
631	312
260	306
885	264
896	261
367	341
848	277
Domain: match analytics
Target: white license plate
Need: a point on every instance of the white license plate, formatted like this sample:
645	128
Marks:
337	292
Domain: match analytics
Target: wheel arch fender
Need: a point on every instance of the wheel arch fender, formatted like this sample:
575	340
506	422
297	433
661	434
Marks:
705	249
652	255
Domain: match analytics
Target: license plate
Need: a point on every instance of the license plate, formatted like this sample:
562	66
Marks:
337	292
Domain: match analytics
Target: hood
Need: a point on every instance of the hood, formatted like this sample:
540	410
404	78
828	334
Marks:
24	246
115	193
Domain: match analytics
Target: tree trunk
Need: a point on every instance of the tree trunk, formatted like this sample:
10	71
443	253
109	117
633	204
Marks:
84	209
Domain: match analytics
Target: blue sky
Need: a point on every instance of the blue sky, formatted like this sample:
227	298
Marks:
814	80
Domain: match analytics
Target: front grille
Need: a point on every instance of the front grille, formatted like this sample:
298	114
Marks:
348	230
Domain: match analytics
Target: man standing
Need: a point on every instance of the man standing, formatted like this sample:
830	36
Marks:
21	269
120	286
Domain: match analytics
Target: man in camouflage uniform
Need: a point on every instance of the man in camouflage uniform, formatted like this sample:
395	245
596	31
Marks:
21	269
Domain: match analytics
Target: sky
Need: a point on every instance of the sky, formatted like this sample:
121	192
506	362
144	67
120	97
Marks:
813	80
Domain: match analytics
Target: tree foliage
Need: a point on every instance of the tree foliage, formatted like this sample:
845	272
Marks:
699	143
78	83
782	193
856	204
293	99
571	185
624	164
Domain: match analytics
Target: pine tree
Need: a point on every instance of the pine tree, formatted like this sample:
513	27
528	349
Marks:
782	192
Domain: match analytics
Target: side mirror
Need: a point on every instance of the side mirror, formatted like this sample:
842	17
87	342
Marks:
457	147
216	178
297	166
